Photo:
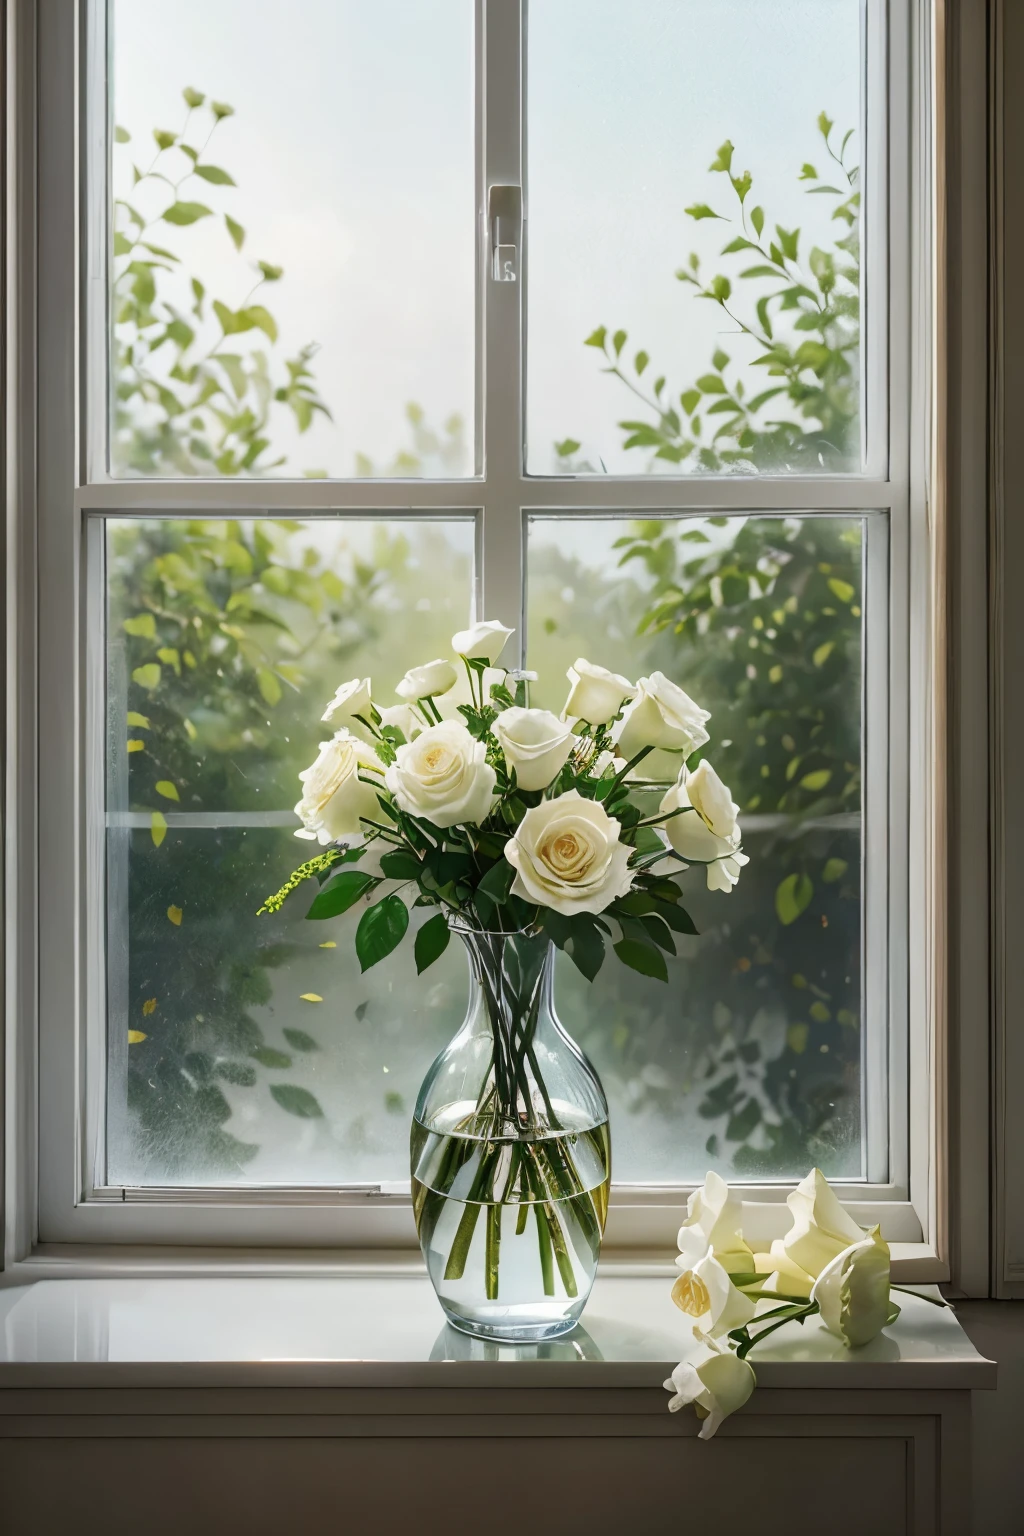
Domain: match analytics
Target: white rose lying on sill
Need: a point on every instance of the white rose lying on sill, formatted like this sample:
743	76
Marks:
825	1266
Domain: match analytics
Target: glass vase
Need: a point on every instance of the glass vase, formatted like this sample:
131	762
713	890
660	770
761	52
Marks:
510	1152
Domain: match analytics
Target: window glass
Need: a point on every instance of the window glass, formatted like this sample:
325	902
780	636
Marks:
293	238
694	236
749	1060
245	1048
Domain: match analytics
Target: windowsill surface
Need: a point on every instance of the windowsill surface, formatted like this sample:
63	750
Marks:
389	1331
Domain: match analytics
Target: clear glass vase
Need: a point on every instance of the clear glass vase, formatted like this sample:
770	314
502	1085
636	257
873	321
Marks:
511	1157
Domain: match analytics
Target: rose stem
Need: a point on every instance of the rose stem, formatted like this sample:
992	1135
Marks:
491	1251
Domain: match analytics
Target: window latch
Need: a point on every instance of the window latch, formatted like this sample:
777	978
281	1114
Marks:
505	223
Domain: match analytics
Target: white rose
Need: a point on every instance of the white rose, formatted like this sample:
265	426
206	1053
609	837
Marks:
780	1273
595	694
713	1215
443	776
717	1384
852	1291
481	642
351	699
405	718
567	856
709	832
662	715
428	681
706	1293
333	796
535	743
821	1228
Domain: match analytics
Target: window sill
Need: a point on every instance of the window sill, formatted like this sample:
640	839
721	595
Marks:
912	1263
376	1331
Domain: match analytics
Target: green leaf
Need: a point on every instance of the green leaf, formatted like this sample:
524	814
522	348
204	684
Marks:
134	718
121	136
711	384
723	160
186	213
677	917
255	314
235	230
658	932
792	896
789	240
823	652
842	590
164	138
238	1072
147	676
619	341
701	211
339	894
300	1041
193	98
586	946
167	789
157	828
216	175
557	927
381	929
640	362
221	109
400	864
597	338
689	400
720	288
720	361
270	274
497	882
834	870
268	1057
269	687
296	1101
143	624
743	1122
567	447
431	942
817	780
643	958
757	219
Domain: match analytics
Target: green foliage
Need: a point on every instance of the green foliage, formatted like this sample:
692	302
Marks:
764	623
429	451
232	601
464	870
185	403
798	309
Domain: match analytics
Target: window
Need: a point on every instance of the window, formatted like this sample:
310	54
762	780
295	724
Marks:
587	316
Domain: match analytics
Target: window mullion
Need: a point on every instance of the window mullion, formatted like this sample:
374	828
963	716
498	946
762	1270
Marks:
503	333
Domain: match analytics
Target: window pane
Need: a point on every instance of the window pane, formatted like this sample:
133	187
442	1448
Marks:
225	641
751	1056
294	230
694	258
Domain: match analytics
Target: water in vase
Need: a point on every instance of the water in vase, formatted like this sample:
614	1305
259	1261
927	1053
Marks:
511	1226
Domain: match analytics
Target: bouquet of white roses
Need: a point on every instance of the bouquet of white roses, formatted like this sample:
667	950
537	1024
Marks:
825	1266
510	818
518	827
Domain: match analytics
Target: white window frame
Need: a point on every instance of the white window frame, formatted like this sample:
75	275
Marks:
60	490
